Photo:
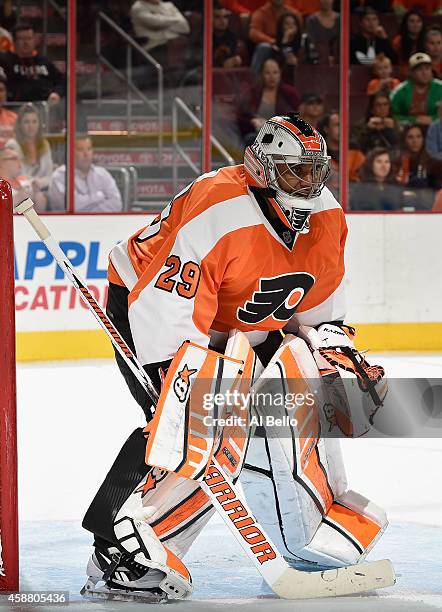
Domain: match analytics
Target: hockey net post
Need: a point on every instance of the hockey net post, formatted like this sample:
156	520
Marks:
9	580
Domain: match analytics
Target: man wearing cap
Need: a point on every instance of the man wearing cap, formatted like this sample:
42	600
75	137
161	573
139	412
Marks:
311	108
416	99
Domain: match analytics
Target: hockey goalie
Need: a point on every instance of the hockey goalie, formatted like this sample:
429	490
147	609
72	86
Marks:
238	286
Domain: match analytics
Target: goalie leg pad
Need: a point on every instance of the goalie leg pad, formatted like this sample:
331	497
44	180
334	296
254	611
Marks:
295	480
285	478
348	531
181	436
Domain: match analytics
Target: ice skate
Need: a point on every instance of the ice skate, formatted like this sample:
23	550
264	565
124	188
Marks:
116	576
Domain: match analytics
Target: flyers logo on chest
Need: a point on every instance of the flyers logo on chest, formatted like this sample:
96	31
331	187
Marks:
278	297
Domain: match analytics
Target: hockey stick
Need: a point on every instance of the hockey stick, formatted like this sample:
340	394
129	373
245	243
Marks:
284	580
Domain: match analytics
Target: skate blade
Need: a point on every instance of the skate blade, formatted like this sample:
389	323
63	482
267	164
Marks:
122	595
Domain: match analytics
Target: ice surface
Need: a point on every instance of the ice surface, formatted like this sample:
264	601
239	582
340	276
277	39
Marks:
73	418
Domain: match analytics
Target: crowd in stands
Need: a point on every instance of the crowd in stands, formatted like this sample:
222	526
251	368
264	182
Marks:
394	157
281	55
28	81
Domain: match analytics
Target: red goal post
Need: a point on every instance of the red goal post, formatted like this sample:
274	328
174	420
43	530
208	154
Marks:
8	421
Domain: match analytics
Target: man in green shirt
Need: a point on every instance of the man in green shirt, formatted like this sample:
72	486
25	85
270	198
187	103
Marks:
416	99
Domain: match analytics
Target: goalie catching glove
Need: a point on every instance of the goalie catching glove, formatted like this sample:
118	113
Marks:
335	355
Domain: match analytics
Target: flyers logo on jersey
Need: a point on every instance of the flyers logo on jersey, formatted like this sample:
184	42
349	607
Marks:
181	384
278	297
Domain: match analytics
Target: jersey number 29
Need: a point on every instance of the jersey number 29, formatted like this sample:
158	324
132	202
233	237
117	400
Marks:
189	274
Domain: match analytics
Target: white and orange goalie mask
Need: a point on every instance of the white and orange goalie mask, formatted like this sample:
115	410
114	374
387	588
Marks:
288	159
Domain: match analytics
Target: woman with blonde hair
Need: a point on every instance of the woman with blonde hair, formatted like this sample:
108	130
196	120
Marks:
32	146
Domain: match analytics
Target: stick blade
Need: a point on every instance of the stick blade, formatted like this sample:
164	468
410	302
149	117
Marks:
293	584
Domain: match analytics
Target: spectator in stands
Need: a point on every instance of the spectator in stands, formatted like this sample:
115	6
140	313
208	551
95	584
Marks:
379	128
162	30
311	108
158	22
323	29
382	71
416	99
433	47
8	19
225	42
262	31
31	76
410	39
33	148
245	7
8	14
268	98
329	127
292	45
433	142
289	49
7	117
371	40
417	172
289	38
425	7
378	189
95	188
22	187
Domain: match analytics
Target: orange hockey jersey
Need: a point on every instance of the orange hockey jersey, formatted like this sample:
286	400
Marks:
216	259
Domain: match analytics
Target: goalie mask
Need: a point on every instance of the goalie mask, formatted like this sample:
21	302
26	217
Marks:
289	160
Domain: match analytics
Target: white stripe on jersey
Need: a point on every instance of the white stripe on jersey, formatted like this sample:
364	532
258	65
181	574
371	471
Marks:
121	261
